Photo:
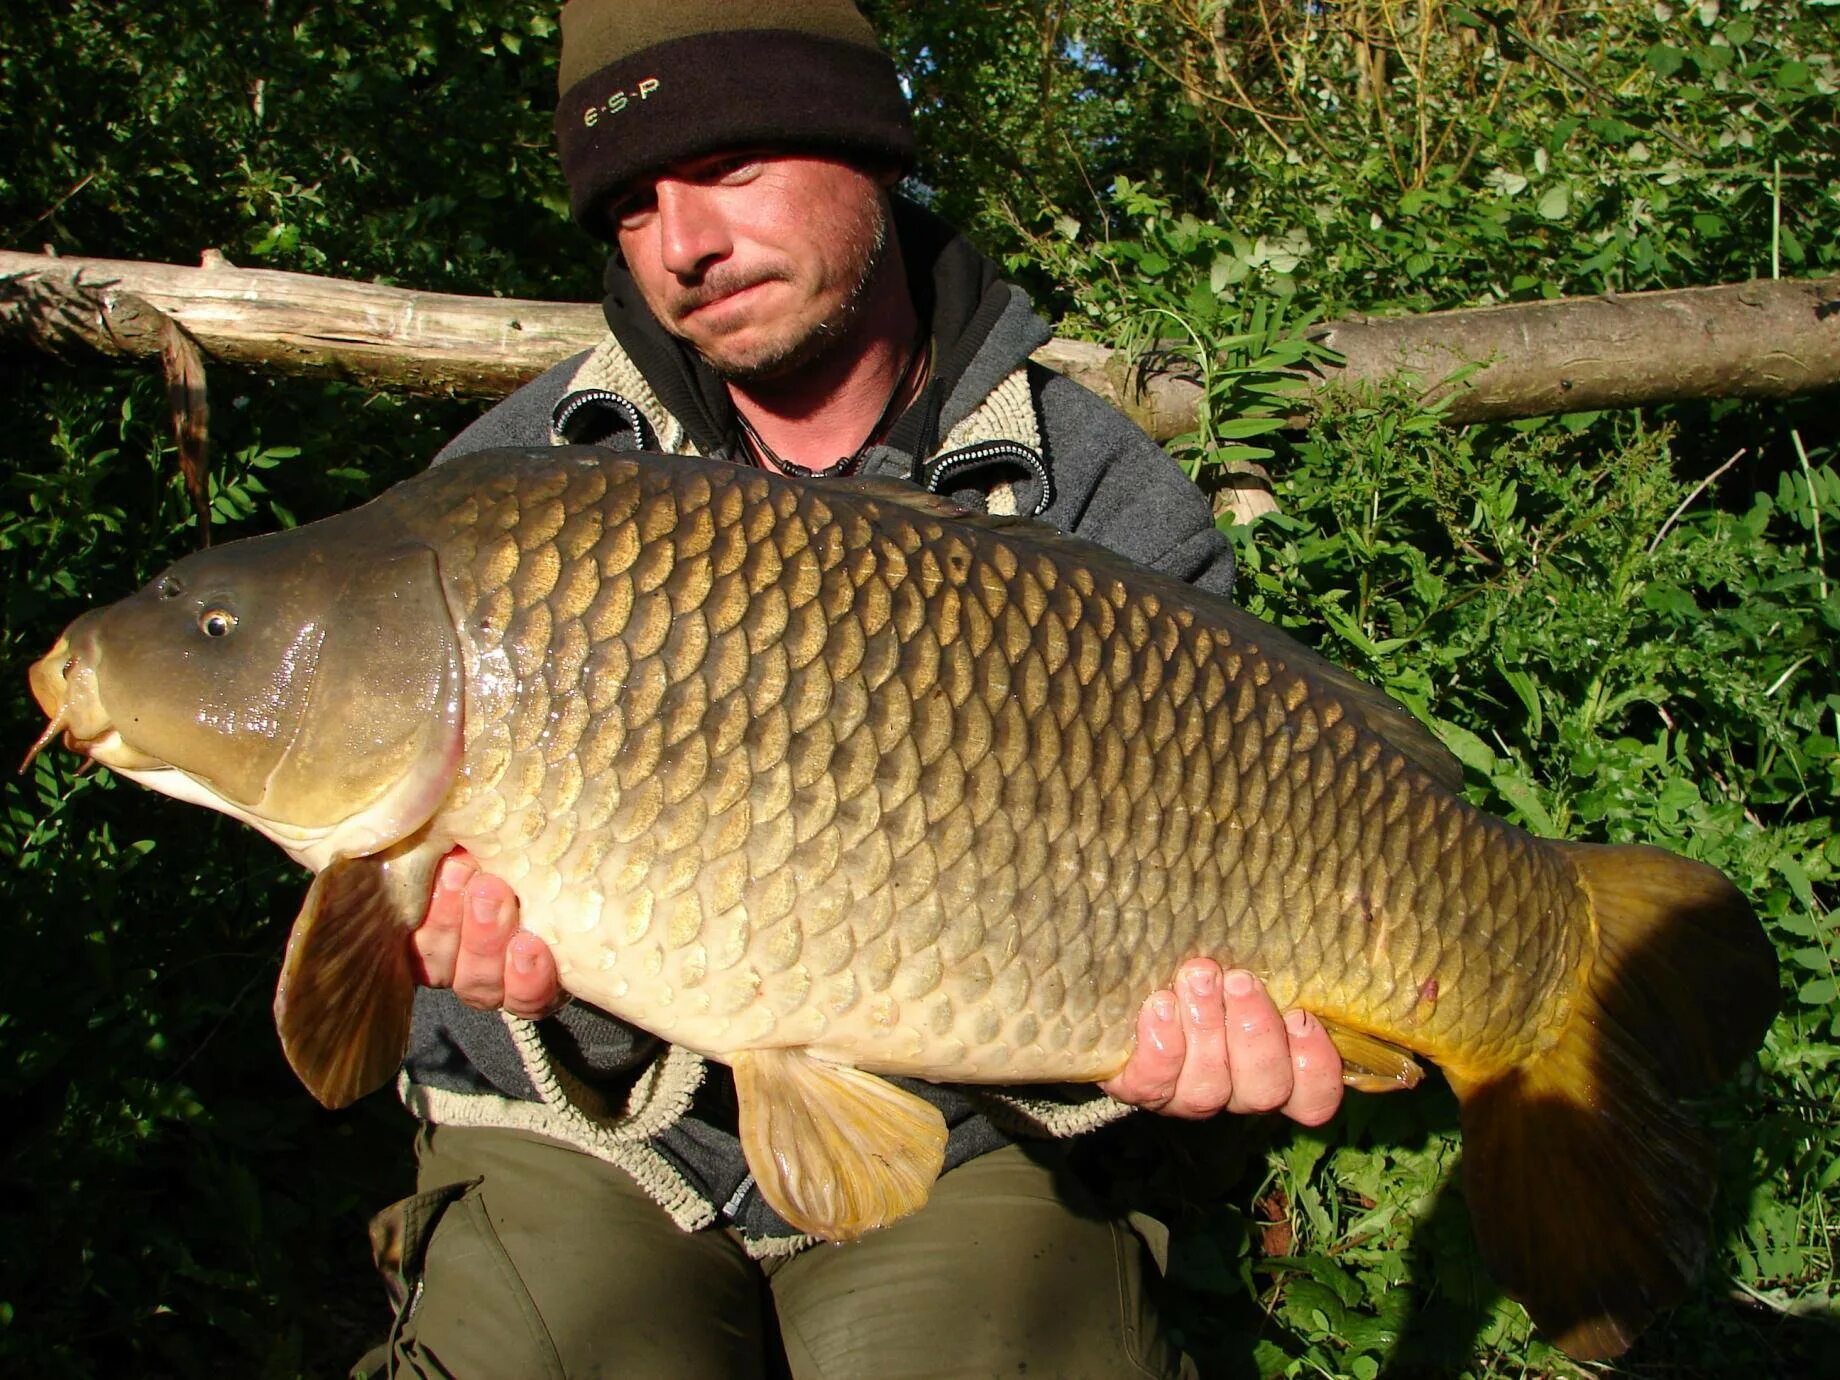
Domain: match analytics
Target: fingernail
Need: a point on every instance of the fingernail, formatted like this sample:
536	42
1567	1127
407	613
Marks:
483	910
1297	1022
453	875
524	954
1239	983
1163	1007
1201	982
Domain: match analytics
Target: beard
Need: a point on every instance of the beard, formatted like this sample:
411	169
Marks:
775	358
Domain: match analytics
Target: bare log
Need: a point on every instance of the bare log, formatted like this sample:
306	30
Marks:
1761	339
1756	340
419	342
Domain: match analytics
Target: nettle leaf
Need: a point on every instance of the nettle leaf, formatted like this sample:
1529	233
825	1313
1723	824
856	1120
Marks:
1313	1308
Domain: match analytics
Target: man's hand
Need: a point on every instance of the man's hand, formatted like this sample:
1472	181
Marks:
1217	1043
470	941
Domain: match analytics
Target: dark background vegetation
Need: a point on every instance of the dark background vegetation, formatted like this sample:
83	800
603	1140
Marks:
1622	638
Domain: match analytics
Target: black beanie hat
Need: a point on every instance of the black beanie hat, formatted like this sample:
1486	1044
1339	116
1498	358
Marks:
645	83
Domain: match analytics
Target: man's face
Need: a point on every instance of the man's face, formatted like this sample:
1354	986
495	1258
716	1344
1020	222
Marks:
759	261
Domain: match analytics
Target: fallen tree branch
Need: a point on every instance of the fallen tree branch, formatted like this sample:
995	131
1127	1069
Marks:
295	323
1755	340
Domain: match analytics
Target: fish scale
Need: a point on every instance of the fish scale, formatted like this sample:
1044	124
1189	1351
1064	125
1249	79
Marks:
832	780
800	712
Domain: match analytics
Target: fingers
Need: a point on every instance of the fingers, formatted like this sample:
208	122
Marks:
470	941
1205	1085
533	987
1218	1043
1258	1046
1148	1079
437	939
485	936
1316	1082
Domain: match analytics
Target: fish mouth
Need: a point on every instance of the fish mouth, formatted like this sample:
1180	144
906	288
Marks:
63	682
49	678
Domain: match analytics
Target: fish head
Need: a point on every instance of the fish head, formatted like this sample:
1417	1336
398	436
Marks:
308	683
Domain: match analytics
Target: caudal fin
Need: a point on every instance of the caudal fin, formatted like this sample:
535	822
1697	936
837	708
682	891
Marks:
1589	1187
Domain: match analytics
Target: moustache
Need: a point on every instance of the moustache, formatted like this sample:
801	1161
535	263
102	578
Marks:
716	286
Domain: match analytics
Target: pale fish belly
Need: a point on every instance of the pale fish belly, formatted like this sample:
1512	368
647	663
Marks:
724	985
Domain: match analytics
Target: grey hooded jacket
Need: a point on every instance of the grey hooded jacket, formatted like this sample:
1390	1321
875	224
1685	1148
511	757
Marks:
583	1076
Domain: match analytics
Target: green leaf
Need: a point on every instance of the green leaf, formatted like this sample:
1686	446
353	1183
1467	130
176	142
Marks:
1522	796
1527	691
1469	749
1820	992
1796	875
1312	1307
1794	76
1226	270
1555	202
1237	428
1664	60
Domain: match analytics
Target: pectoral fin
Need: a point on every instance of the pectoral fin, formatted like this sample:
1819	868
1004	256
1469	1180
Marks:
1371	1065
348	983
836	1151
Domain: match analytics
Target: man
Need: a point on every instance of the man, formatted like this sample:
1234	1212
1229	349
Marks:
584	1206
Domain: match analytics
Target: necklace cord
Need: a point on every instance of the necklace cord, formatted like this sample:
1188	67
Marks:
904	385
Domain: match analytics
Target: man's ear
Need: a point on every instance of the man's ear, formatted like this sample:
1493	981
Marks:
888	176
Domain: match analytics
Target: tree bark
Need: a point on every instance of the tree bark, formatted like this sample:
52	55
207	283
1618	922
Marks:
1758	340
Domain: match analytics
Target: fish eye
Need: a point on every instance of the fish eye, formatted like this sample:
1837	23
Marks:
170	588
216	622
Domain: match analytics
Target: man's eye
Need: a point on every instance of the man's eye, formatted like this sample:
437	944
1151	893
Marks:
723	171
633	208
735	169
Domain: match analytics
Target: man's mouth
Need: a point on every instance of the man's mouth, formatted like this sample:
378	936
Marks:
716	293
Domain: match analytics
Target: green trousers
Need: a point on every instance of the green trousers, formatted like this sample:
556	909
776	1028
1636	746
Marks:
521	1258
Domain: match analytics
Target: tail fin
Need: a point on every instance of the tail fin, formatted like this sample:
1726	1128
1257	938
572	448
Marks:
1589	1188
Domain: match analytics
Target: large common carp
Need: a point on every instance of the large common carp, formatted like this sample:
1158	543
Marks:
830	781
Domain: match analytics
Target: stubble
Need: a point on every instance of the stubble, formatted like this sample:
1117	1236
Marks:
779	356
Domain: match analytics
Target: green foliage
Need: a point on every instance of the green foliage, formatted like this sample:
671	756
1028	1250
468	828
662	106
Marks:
1378	155
1615	649
401	140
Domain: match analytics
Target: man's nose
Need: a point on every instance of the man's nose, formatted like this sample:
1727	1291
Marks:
691	231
